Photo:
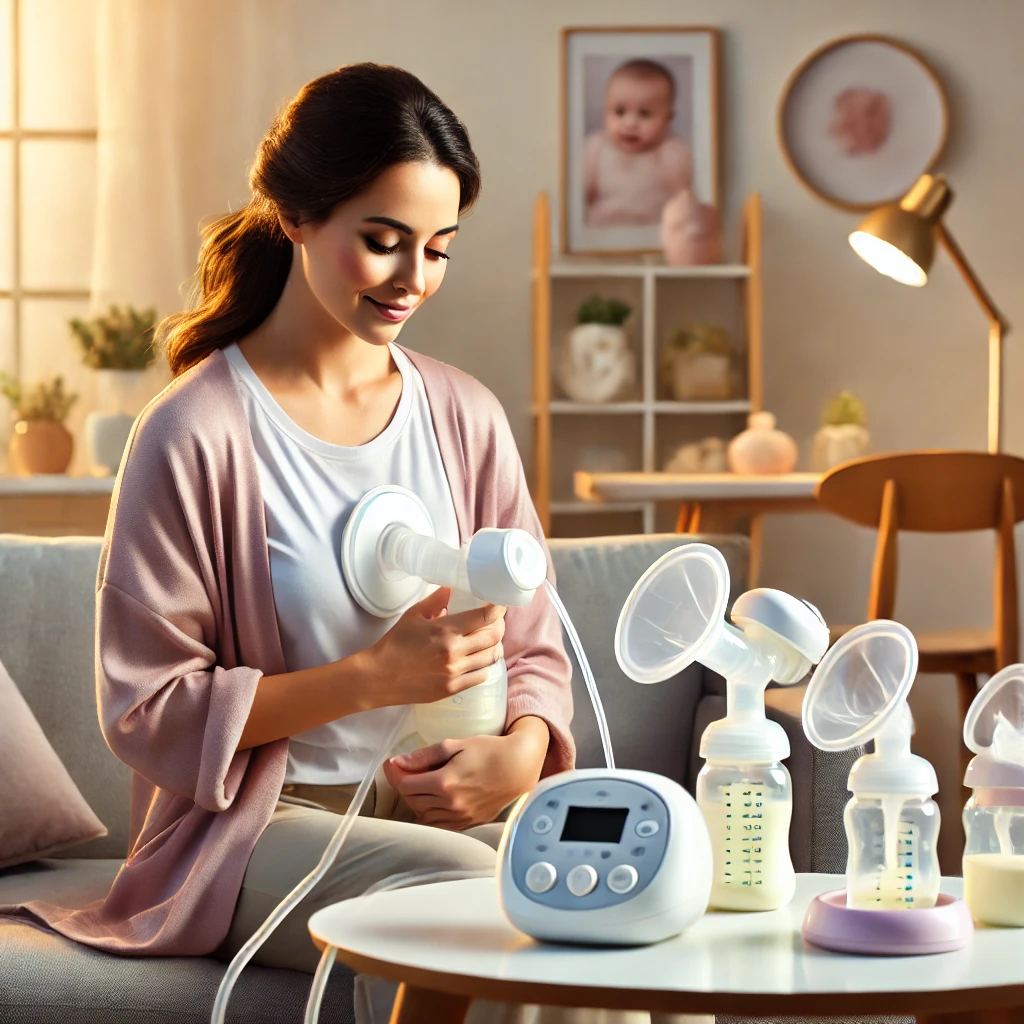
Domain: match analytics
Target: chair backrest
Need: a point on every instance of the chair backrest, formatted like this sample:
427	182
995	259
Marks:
47	612
934	492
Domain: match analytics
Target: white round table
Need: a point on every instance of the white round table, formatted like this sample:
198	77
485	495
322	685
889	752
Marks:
449	942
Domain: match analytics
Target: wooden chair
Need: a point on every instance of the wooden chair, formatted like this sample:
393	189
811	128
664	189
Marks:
939	492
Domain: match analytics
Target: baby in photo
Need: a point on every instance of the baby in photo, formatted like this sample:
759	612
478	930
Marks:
636	164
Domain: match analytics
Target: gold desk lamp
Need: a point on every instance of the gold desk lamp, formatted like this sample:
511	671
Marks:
898	240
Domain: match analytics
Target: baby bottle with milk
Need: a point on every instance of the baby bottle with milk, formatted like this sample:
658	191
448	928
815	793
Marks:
676	615
994	815
859	693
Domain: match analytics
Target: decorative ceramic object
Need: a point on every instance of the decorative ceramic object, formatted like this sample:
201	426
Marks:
707	456
843	435
596	363
762	450
39	443
119	347
698	365
690	231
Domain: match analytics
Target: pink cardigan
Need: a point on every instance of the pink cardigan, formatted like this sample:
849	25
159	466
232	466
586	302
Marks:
186	626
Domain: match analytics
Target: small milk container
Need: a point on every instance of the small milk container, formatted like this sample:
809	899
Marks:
859	694
994	816
674	616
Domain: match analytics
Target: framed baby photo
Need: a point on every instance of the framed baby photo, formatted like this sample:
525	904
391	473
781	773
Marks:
639	126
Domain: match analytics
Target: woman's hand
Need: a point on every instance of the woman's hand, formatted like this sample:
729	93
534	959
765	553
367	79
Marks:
457	784
428	654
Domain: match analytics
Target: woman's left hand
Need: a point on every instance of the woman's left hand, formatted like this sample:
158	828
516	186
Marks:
457	784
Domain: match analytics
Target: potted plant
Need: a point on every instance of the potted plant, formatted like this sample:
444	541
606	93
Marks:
698	365
843	434
40	442
596	363
119	347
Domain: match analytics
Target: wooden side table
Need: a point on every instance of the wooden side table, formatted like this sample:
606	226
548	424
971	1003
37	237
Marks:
696	493
449	943
55	505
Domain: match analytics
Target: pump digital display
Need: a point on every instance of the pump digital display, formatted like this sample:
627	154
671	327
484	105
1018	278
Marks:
594	824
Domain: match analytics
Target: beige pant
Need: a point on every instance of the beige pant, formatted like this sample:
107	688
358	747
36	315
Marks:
385	841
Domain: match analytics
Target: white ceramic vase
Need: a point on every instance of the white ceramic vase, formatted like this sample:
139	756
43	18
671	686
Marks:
762	450
120	397
838	443
596	363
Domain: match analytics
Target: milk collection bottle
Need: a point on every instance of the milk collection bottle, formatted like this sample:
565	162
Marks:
857	694
674	616
994	816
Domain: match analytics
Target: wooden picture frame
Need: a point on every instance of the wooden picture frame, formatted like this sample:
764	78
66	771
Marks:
617	214
909	142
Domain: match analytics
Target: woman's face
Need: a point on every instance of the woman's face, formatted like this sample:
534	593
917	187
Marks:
383	253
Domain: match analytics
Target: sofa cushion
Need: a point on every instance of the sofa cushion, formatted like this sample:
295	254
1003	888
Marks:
650	726
41	810
47	608
47	979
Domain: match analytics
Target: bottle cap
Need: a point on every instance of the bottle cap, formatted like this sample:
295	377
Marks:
505	566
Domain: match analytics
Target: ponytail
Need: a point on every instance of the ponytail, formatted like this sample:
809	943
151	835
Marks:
244	263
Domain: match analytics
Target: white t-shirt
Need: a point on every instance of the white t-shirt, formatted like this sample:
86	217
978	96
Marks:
309	490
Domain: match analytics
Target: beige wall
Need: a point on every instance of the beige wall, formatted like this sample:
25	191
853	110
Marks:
917	358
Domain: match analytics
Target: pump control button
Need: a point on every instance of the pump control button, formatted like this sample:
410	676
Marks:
541	876
622	878
581	880
542	824
646	828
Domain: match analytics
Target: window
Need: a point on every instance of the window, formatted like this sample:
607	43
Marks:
47	187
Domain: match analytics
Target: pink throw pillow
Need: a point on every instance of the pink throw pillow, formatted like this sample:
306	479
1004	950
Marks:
41	809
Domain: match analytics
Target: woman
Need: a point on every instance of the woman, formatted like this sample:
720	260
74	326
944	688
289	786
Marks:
236	676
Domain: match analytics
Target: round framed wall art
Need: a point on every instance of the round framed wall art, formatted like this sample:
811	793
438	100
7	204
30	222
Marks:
861	119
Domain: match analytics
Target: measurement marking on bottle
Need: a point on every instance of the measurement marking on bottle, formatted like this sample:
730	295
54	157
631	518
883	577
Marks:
745	838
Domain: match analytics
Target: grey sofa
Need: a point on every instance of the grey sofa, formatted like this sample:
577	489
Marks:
46	643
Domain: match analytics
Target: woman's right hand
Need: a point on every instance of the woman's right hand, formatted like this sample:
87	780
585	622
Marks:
428	654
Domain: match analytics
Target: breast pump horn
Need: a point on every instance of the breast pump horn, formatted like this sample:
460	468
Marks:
390	554
674	616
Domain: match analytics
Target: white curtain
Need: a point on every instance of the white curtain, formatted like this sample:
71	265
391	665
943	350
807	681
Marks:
186	89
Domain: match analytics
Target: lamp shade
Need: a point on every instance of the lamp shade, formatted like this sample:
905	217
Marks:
898	239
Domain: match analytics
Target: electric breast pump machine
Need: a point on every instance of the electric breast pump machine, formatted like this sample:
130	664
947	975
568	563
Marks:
891	904
675	616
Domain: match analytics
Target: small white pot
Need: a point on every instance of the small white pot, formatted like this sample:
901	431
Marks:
837	444
120	397
596	364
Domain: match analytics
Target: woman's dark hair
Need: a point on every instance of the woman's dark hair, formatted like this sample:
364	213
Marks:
332	141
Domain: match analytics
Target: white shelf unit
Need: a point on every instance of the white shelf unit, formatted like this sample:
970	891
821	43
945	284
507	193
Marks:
650	282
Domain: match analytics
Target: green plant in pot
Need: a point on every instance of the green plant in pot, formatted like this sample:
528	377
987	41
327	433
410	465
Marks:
40	443
843	435
698	365
596	363
118	345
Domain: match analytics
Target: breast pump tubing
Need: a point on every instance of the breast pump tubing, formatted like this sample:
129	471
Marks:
436	563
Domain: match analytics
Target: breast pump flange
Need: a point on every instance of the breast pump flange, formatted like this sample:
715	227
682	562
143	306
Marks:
859	694
674	616
993	818
390	556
